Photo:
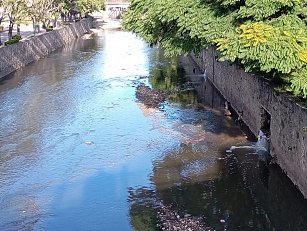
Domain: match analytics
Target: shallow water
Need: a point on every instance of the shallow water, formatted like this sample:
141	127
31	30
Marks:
79	152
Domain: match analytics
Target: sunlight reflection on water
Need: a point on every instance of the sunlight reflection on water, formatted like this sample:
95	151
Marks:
75	144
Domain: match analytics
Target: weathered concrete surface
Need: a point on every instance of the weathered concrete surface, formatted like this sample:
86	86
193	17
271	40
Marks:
251	95
29	50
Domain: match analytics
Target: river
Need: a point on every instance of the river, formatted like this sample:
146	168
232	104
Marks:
78	151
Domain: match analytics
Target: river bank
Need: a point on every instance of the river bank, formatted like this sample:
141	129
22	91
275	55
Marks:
282	120
79	151
31	49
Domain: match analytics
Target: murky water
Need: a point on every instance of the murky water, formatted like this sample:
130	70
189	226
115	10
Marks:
79	152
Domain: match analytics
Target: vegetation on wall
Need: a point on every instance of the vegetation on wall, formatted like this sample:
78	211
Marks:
267	36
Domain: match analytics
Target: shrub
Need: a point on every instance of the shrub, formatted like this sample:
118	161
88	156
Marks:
16	37
13	40
49	28
10	42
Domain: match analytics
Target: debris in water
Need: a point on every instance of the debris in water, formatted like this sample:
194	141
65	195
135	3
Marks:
150	97
172	221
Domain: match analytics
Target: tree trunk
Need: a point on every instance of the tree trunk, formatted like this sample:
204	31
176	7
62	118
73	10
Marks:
18	29
54	22
1	31
35	26
70	17
1	18
10	33
46	24
62	16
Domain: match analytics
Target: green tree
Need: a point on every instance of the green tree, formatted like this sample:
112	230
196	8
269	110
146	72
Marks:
15	11
2	15
41	11
69	8
268	36
85	6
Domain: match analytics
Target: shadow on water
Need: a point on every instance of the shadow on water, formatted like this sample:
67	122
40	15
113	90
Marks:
78	151
187	87
234	190
143	209
229	202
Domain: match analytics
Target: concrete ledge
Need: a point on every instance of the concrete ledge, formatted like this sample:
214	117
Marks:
15	56
251	95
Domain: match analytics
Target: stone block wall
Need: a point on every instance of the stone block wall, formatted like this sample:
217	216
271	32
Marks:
17	55
251	95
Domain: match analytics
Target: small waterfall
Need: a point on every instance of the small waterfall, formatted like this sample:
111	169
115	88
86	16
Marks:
262	142
205	75
264	146
261	147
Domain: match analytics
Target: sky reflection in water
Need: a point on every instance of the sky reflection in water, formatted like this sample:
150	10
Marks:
78	152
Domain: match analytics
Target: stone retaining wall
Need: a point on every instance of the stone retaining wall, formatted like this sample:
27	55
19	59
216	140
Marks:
251	95
15	56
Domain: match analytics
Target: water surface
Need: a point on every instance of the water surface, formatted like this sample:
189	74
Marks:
79	152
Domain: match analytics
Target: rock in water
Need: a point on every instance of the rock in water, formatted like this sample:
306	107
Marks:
150	97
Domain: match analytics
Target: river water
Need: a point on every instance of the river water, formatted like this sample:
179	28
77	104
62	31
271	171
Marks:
78	151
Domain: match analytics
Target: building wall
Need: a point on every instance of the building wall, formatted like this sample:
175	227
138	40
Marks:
15	56
251	95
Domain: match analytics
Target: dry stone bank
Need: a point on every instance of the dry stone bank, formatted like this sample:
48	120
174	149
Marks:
15	56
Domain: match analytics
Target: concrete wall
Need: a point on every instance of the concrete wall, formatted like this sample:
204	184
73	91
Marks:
15	56
251	94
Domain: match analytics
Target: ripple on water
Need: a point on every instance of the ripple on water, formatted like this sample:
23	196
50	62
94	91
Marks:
74	146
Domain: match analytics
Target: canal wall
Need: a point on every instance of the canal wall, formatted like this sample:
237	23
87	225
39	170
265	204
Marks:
17	55
260	106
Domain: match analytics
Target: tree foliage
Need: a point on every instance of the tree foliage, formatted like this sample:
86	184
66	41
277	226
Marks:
42	11
14	11
264	35
85	6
